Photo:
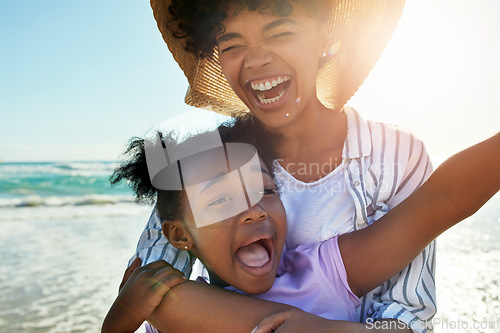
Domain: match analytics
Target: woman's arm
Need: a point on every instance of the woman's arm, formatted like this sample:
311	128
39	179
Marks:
456	190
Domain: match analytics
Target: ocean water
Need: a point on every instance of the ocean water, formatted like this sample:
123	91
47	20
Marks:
61	190
468	273
66	236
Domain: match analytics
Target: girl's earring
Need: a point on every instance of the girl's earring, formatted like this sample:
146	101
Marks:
186	247
324	54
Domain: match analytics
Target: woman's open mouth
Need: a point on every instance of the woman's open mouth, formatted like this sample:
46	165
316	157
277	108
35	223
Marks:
271	90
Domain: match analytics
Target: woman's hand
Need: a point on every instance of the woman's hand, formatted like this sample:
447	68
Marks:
141	290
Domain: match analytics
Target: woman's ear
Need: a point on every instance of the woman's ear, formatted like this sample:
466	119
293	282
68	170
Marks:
177	234
325	38
325	44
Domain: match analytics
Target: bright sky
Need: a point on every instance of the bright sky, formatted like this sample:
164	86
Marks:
78	78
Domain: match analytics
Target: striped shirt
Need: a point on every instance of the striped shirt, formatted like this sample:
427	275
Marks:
382	165
386	164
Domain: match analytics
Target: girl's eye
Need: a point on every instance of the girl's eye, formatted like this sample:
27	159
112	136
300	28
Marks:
268	191
219	201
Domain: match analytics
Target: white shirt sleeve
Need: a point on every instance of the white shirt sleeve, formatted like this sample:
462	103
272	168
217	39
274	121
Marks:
153	246
410	296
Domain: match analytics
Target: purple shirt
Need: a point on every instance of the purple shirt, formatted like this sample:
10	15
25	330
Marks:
313	278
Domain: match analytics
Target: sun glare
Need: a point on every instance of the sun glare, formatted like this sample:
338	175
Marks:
420	53
439	75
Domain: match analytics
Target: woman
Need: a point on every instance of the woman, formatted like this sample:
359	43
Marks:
294	64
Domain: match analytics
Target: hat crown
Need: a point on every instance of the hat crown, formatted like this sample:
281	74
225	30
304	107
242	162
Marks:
359	31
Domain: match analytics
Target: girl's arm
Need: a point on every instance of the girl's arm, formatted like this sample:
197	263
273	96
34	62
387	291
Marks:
456	190
142	289
198	307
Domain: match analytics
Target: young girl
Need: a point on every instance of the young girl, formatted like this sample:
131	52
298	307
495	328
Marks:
293	65
244	250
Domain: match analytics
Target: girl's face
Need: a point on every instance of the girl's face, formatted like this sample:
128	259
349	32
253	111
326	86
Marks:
243	250
271	62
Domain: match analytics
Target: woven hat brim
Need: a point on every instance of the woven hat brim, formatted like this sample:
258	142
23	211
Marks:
360	30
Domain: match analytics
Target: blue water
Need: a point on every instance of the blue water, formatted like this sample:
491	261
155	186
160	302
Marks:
49	179
61	189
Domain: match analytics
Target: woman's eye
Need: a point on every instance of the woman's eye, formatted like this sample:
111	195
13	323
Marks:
282	35
230	48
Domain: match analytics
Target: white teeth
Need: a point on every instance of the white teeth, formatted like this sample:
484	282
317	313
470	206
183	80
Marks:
270	100
263	86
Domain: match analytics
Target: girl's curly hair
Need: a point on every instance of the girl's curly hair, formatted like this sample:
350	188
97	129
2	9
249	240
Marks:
200	21
134	169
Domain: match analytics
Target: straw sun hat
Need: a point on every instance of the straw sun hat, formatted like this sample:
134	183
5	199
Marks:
359	32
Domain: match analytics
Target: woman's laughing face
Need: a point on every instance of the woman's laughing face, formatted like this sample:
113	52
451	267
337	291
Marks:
271	62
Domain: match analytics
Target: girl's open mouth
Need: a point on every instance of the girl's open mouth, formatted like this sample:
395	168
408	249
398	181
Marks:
271	90
256	255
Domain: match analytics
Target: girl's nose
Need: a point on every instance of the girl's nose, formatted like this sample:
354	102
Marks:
254	214
257	58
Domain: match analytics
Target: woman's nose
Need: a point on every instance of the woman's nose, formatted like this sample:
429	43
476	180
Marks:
257	58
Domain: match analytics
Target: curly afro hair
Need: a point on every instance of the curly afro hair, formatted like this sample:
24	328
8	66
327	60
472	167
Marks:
134	169
200	21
